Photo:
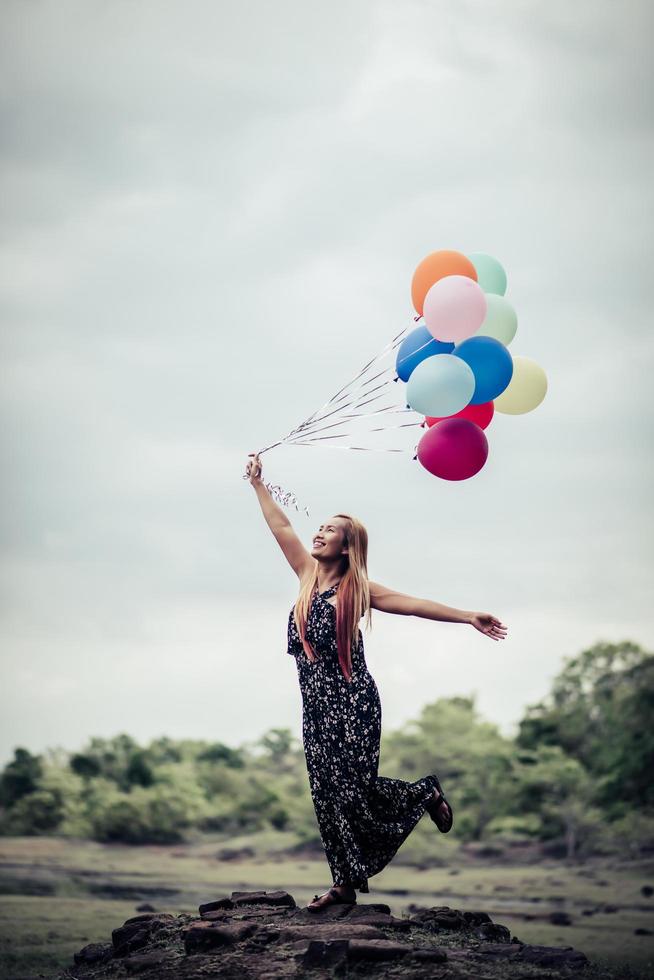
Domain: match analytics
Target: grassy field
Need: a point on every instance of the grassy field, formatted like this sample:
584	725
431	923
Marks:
57	895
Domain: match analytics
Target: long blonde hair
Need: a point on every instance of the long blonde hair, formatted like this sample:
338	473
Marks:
352	597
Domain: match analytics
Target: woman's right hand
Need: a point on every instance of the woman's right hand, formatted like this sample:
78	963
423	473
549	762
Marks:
253	470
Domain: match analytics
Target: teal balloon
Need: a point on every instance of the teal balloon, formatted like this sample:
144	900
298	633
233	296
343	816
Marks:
440	385
490	273
501	321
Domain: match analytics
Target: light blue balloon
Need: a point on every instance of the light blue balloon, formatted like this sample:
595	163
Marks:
490	273
491	364
415	347
440	385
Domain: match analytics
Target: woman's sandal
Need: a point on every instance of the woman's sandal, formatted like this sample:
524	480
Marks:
444	823
331	897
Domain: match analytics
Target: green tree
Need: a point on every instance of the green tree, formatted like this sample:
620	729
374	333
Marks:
599	712
470	757
558	790
163	750
20	777
139	772
107	757
280	750
35	813
85	765
218	752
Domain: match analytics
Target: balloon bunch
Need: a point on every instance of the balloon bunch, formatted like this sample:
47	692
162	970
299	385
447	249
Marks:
457	368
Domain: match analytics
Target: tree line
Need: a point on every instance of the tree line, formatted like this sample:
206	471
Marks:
577	776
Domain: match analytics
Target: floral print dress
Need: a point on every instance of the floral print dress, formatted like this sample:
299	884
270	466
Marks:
363	818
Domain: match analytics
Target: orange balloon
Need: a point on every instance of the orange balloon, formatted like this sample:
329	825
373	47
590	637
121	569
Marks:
436	266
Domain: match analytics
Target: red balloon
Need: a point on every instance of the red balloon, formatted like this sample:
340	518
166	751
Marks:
481	414
454	449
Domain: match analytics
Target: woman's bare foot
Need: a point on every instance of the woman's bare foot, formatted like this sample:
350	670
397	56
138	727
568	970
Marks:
440	811
347	891
336	895
443	809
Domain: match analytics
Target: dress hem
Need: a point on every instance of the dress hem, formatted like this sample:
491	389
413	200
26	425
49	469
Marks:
361	884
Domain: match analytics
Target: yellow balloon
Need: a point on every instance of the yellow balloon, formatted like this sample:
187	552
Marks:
526	389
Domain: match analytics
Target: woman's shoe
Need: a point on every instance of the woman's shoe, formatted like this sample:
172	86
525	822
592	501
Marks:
331	897
444	823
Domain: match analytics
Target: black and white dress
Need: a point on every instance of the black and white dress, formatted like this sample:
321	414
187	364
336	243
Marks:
363	818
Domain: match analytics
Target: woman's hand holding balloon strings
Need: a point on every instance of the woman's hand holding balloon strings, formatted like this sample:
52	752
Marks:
254	469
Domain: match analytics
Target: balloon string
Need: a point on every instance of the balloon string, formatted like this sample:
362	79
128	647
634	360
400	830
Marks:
343	435
382	353
300	431
351	404
385	350
364	389
353	396
305	429
392	409
367	449
284	497
375	399
354	403
346	391
359	415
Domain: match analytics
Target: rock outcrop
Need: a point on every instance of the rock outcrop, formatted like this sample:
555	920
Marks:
265	935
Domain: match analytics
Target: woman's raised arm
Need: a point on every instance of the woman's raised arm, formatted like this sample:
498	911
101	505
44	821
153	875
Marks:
296	554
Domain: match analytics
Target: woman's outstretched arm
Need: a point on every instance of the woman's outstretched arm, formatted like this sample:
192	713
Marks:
296	554
387	600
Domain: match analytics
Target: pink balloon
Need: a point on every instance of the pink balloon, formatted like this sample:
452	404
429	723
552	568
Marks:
454	449
454	308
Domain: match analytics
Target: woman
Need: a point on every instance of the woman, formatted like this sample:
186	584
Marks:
363	818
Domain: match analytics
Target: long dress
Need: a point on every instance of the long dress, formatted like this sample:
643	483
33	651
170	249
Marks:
363	818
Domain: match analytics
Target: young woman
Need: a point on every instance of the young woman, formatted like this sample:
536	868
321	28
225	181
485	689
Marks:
363	818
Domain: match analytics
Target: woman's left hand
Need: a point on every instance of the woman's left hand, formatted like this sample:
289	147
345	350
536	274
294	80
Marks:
488	624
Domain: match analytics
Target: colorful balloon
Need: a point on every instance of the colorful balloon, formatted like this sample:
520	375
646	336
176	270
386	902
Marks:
440	385
415	347
491	365
435	266
480	414
490	274
526	389
501	321
454	308
454	449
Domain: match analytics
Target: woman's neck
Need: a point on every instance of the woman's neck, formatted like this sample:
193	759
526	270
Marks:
329	579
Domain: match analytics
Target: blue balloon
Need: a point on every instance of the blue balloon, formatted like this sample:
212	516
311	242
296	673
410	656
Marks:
491	364
440	386
415	347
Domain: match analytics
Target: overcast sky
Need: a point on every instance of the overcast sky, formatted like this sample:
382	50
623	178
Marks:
212	214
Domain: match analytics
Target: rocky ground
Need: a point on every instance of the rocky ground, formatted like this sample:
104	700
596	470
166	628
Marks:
265	935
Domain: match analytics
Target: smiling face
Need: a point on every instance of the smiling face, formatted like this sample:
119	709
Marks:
329	541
